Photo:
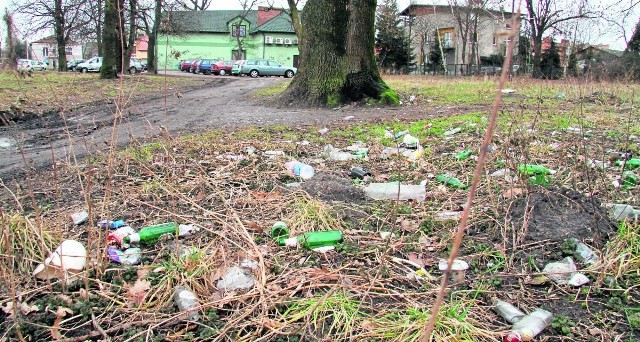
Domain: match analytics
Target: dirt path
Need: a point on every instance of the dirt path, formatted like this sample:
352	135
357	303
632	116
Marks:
224	103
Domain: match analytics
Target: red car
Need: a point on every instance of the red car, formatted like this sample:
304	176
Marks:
222	68
194	65
185	64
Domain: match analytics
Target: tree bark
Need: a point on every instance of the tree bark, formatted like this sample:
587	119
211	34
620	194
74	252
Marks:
337	63
58	17
110	40
152	65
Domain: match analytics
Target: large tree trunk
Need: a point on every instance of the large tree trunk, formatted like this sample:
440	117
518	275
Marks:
58	17
537	57
110	40
152	64
337	63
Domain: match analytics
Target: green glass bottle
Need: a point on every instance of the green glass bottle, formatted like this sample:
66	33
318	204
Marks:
529	169
629	179
451	181
313	240
151	234
462	155
630	164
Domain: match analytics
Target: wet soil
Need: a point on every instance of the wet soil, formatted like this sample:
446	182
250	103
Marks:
559	214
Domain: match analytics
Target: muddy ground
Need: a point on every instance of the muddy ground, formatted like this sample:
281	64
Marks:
222	102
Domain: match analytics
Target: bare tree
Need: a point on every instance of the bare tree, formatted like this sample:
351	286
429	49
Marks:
65	17
195	5
10	48
548	14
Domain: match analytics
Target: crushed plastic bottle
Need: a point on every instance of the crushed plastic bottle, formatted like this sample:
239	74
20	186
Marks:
584	253
529	326
335	154
451	181
313	240
395	191
130	256
297	168
560	271
79	217
620	212
452	131
323	131
186	301
410	142
508	311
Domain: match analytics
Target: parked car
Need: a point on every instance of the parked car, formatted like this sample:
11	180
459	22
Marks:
266	67
92	65
43	65
135	66
490	70
30	65
237	66
194	66
185	64
222	68
71	65
144	64
204	66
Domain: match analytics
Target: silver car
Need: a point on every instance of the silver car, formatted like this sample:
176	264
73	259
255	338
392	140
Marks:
266	67
94	64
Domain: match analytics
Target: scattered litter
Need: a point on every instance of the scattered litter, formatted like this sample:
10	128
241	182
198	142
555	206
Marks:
560	272
273	154
584	253
236	278
463	155
313	240
186	301
349	117
629	179
111	224
452	131
449	215
251	150
65	262
250	264
578	279
302	170
80	217
323	131
7	142
529	326
621	212
117	236
508	91
451	181
279	230
599	164
358	172
560	96
130	256
630	164
335	154
508	311
458	269
395	191
151	234
410	142
387	235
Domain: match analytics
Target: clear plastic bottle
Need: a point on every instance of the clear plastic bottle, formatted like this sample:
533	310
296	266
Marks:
389	191
300	169
335	154
186	300
620	212
529	326
312	240
508	311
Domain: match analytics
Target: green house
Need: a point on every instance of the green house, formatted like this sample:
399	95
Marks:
228	34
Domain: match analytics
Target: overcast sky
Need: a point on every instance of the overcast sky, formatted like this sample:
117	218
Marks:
601	36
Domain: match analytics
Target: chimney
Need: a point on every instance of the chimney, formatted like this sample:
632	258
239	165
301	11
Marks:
267	13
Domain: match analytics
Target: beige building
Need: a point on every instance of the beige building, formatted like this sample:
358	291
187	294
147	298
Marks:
46	50
488	31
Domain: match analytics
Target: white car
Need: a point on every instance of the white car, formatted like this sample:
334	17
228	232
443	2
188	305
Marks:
30	65
92	65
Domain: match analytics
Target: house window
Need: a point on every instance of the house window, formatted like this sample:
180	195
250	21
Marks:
45	51
68	50
239	30
495	40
